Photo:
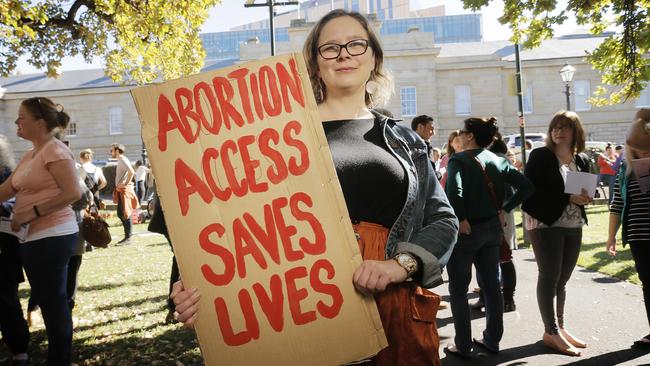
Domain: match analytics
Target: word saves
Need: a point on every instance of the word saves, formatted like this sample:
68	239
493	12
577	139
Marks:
288	235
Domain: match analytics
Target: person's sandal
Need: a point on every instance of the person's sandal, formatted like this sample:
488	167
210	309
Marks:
481	343
451	349
509	307
642	344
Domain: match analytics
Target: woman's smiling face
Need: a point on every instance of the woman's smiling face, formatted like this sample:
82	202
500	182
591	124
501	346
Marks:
345	72
26	123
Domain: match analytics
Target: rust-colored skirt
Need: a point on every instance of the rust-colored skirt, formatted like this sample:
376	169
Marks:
407	311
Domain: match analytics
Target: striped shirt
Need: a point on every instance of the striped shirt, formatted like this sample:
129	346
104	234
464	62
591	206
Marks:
638	214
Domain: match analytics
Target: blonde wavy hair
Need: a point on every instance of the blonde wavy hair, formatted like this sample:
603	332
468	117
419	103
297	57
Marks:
379	75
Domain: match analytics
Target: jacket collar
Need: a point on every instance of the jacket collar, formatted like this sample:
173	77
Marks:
384	119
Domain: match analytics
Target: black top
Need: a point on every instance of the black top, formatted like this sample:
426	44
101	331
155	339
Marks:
373	181
157	223
637	216
548	201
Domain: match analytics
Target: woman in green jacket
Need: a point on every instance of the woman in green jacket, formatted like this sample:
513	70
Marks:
475	188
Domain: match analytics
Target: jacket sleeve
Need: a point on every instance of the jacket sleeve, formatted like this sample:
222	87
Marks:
434	242
523	187
544	201
454	188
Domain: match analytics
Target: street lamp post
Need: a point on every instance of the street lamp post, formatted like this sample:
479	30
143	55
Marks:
2	109
566	73
270	4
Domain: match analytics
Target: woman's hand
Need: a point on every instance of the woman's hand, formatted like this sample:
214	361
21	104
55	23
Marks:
611	246
187	304
581	199
464	227
374	276
21	218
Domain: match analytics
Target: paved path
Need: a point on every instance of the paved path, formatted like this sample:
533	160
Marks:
606	313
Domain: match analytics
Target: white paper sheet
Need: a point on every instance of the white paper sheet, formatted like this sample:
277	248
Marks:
5	227
642	172
576	181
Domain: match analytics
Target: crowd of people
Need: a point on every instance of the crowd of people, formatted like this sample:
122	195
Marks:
414	210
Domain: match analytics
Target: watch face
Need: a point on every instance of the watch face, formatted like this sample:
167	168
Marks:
407	262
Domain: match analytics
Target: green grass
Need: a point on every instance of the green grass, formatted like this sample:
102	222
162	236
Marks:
121	307
593	254
119	318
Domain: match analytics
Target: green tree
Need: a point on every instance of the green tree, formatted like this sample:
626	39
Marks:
621	57
140	40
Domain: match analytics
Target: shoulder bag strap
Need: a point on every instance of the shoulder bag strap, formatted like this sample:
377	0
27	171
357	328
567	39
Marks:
489	183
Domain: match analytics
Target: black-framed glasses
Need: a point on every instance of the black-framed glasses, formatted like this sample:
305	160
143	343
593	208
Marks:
355	47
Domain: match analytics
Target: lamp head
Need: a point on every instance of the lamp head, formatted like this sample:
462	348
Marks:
566	73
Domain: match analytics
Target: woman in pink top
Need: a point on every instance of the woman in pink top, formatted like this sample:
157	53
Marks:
45	183
454	145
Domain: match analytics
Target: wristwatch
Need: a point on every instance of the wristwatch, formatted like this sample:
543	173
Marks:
407	262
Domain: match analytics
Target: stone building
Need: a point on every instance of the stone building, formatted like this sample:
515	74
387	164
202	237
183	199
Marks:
449	81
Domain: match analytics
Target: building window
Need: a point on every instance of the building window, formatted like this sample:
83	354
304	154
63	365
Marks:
462	96
355	5
72	129
581	92
115	120
409	99
644	98
528	99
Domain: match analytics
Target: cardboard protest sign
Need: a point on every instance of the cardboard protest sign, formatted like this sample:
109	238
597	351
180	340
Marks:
257	217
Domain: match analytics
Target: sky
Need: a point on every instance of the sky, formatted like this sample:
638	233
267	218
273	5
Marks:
231	13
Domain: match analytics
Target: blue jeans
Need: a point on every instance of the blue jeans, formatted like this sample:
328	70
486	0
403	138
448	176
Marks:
46	264
481	248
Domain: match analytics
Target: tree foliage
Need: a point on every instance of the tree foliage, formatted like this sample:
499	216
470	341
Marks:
140	40
621	58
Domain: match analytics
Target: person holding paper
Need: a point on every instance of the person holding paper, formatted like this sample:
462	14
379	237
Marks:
476	188
45	183
631	208
403	221
554	220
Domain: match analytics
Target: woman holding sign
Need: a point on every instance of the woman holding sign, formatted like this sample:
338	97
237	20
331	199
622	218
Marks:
631	207
554	220
45	183
403	221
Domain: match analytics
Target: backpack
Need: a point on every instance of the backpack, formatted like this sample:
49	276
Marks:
91	182
93	186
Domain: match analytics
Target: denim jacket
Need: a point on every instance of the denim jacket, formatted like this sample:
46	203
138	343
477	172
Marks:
427	227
